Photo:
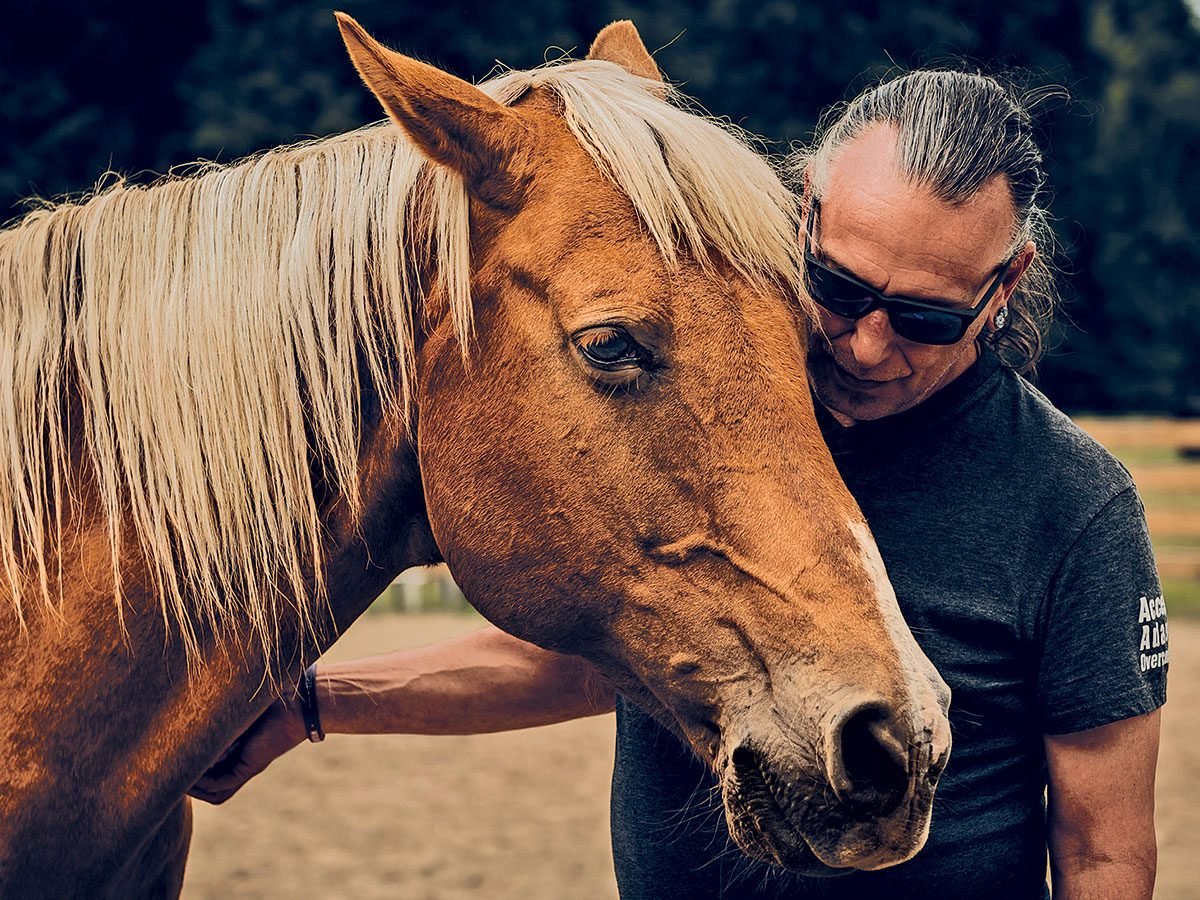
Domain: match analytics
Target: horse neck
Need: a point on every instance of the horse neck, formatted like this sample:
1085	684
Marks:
106	726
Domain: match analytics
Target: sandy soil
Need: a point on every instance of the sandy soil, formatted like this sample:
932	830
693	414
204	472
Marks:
516	816
520	815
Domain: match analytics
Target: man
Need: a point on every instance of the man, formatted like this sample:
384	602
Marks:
1016	545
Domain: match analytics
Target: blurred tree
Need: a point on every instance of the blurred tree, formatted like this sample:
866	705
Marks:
140	86
85	85
1134	189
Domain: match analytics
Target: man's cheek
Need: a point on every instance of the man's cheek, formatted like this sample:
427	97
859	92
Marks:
834	326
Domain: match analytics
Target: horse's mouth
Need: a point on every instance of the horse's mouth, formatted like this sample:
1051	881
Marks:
758	822
767	819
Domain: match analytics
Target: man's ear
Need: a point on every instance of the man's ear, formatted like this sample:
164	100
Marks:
450	120
999	314
620	43
1025	257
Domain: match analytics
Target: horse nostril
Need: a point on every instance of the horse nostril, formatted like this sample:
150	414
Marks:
744	760
871	759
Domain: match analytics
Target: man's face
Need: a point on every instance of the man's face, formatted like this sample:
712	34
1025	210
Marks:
903	241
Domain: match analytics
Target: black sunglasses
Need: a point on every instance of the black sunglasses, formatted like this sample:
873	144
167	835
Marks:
916	320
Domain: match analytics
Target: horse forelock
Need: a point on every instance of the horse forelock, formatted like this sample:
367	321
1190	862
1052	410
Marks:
169	310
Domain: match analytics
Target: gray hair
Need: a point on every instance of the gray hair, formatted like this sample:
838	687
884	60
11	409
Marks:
955	131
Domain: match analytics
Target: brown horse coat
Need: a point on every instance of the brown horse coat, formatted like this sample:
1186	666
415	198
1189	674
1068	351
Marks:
568	358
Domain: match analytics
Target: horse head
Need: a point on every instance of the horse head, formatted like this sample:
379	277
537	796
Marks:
620	458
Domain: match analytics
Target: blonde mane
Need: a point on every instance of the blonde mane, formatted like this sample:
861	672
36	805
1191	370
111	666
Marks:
213	327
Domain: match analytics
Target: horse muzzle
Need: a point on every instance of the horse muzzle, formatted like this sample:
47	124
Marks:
860	799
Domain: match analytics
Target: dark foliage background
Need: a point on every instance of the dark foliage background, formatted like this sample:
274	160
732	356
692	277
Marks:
88	85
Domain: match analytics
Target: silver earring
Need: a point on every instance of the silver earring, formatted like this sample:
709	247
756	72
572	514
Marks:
1001	317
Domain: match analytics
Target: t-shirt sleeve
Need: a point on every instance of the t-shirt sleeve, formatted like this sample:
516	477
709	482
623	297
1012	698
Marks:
1103	646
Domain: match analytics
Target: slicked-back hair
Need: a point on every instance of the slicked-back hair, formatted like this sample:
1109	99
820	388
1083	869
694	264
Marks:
955	131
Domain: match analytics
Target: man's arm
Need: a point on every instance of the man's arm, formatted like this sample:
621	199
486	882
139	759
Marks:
482	682
1102	842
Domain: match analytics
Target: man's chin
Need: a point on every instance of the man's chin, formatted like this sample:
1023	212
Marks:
854	406
850	398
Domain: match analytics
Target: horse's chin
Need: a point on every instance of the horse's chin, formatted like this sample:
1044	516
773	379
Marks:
762	831
792	823
774	841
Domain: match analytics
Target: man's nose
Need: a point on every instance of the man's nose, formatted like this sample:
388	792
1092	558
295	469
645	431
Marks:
872	339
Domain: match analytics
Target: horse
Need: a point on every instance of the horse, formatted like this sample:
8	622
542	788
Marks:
549	329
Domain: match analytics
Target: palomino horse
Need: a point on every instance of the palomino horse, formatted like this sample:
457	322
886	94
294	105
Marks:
545	329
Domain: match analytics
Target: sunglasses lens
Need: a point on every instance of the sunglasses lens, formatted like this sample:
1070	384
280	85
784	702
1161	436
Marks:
927	326
838	295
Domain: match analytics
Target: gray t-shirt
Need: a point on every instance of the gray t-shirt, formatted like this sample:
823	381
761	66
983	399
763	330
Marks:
1019	553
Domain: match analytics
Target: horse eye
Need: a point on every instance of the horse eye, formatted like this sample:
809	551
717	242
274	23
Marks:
608	347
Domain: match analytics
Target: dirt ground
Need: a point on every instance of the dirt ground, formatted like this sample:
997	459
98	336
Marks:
521	816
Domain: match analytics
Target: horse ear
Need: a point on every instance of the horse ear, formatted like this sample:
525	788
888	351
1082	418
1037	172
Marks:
451	120
620	43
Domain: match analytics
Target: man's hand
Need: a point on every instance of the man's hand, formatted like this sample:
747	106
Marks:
1102	842
273	734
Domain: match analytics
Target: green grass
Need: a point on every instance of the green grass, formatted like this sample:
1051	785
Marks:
1177	542
1183	598
433	596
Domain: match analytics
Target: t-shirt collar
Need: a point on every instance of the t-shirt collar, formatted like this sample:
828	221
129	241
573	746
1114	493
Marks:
947	400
